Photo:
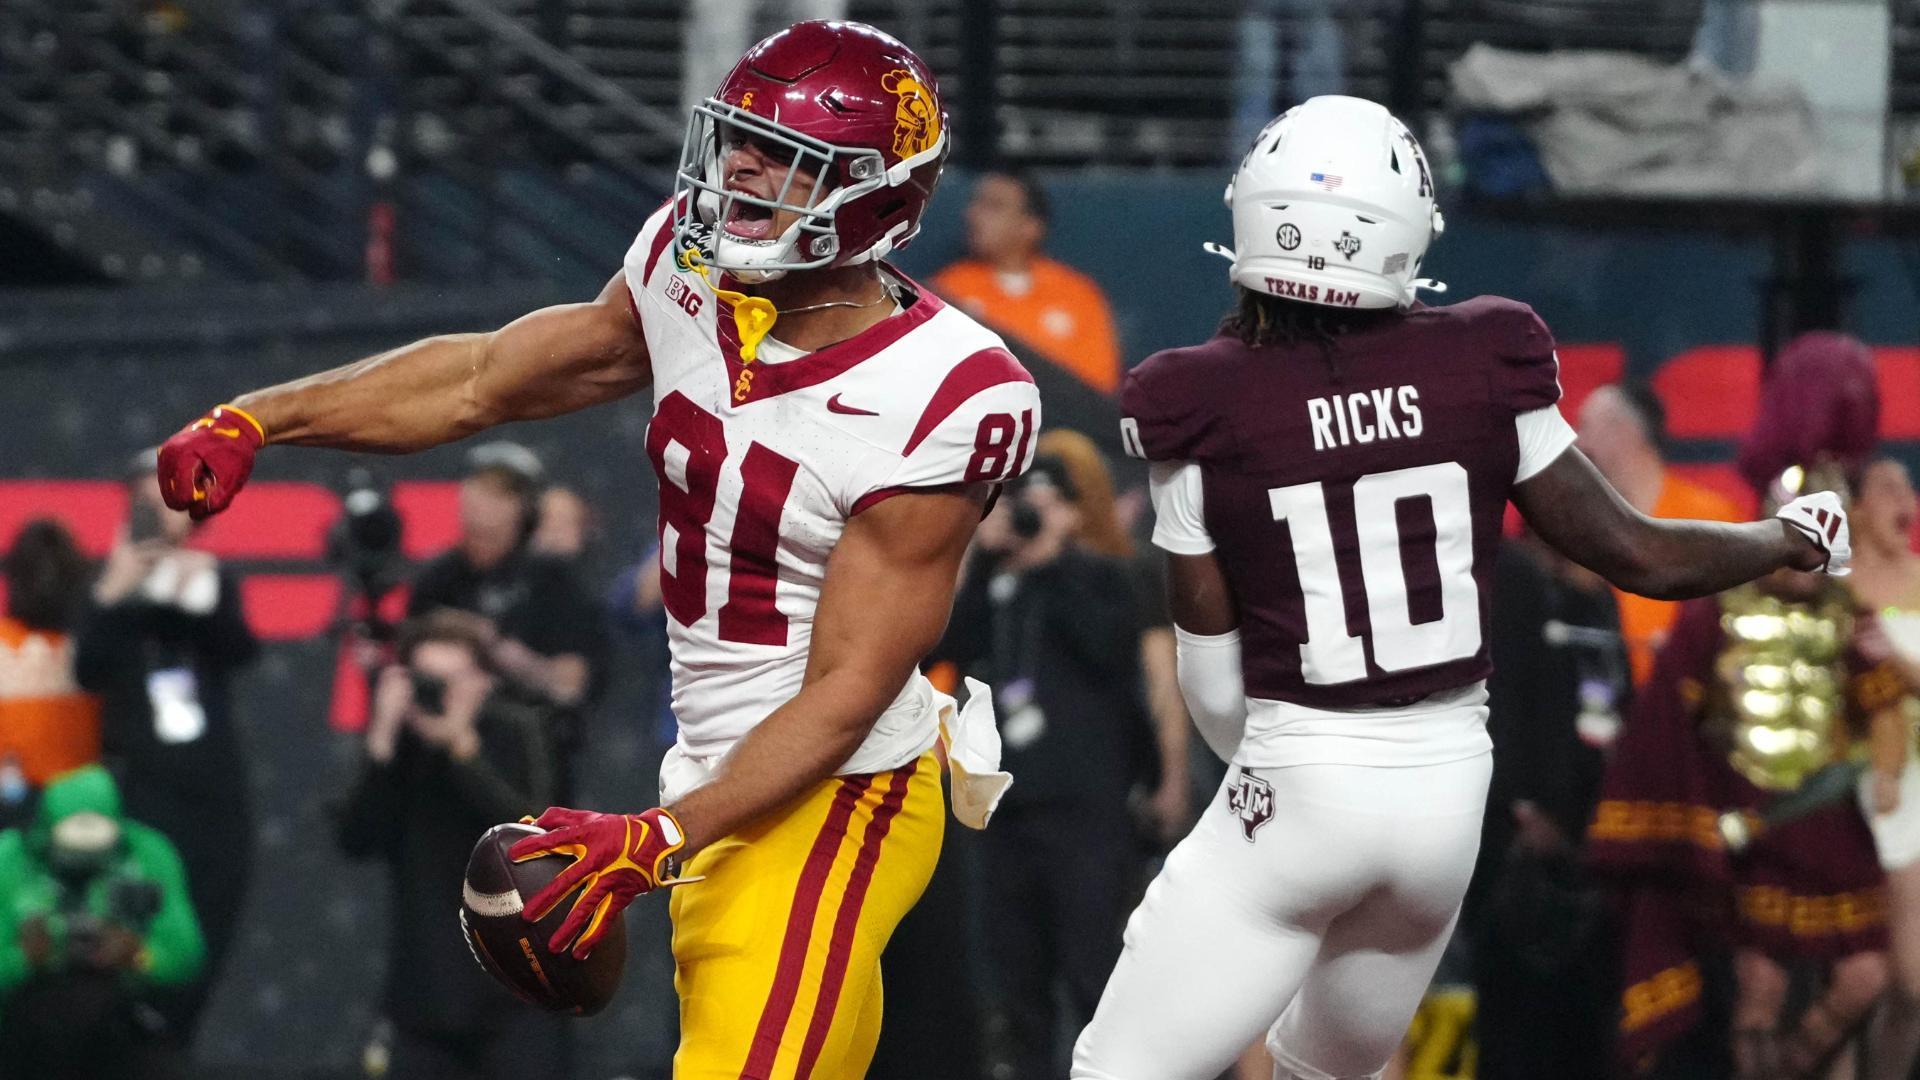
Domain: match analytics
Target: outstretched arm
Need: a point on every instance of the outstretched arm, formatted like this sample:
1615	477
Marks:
1575	510
439	389
433	391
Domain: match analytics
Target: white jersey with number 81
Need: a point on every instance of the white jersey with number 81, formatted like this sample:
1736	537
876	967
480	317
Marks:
762	464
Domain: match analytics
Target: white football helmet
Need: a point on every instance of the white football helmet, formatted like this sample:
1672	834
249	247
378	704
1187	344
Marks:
1333	205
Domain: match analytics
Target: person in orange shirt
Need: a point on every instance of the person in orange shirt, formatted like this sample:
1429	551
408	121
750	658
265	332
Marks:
1008	284
1623	429
48	725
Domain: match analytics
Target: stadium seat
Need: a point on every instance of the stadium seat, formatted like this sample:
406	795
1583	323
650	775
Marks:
1899	368
290	607
1711	392
92	510
431	513
273	521
1584	369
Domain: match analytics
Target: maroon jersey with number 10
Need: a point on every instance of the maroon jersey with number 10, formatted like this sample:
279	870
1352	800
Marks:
1355	505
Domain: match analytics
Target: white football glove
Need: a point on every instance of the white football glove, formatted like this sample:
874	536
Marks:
1819	518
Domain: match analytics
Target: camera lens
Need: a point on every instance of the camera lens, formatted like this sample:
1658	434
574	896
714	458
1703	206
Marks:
429	693
1026	521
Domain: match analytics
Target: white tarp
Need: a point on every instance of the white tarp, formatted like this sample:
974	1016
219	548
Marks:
1609	122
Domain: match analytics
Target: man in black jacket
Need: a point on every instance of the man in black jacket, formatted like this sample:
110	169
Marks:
160	643
446	757
547	637
1055	629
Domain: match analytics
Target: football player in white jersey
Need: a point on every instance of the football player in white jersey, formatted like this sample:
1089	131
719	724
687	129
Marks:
826	434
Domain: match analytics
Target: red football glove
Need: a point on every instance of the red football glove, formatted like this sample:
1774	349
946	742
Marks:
207	463
616	857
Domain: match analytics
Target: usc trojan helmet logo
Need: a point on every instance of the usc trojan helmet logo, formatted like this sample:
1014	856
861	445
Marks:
916	117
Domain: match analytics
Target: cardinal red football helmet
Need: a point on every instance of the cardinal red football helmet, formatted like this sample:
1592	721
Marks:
841	101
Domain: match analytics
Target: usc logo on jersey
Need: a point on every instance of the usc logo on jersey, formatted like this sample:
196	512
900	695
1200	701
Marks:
916	117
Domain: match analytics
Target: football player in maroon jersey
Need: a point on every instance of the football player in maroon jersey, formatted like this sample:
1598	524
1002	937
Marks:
1329	476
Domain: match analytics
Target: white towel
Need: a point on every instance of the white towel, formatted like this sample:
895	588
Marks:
973	755
971	734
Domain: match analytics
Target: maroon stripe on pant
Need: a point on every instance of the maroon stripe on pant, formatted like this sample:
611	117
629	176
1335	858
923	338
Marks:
793	949
840	948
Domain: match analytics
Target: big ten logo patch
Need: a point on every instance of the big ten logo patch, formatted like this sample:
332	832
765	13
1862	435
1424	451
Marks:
684	295
1250	799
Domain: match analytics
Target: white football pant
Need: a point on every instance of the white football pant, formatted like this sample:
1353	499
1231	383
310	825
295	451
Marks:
1331	918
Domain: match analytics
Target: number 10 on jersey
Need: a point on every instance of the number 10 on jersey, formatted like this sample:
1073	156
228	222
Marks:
1333	655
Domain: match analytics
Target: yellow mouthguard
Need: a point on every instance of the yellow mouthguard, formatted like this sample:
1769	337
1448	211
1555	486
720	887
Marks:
753	316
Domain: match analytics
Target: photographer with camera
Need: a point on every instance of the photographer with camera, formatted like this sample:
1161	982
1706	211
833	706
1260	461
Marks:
546	633
161	643
94	919
447	755
1055	628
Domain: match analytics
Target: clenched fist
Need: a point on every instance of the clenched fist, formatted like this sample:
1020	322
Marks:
207	463
1819	518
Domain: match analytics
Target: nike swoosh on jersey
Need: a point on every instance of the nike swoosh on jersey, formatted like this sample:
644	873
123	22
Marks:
834	404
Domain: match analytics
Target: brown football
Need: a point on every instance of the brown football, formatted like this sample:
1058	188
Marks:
514	950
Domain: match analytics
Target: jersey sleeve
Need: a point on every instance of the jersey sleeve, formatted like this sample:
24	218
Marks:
1179	519
1529	369
1543	435
649	249
980	426
1158	418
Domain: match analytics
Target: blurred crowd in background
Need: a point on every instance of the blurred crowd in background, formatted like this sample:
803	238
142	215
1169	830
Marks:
1699	857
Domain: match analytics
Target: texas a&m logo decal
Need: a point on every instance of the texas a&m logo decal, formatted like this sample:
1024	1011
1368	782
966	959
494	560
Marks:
1250	799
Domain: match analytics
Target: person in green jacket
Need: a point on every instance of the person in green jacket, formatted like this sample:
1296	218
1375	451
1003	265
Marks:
95	920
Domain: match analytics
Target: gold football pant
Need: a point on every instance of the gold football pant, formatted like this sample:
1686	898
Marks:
777	952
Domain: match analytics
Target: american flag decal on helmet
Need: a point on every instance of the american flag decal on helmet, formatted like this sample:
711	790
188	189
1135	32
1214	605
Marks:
1327	181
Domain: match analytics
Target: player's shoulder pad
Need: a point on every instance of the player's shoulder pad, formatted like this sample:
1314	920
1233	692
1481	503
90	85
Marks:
1164	403
1510	327
1527	374
978	423
649	248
